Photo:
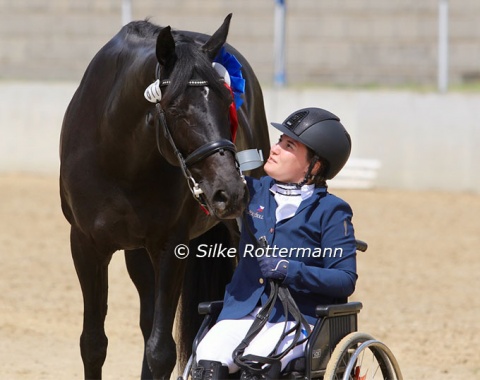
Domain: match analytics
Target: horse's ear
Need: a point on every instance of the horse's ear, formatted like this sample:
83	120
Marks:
215	43
165	46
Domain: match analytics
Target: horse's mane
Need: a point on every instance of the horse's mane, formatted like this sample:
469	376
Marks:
142	29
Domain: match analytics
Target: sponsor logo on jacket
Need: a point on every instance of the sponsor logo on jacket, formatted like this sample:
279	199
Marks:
257	213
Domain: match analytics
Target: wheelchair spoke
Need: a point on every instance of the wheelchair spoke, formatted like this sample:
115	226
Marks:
360	357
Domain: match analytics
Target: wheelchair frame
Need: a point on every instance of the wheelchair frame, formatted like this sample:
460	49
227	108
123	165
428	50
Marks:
332	350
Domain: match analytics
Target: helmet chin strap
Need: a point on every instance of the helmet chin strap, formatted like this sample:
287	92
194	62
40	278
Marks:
308	175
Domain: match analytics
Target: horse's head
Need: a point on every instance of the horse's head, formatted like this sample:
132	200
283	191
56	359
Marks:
194	114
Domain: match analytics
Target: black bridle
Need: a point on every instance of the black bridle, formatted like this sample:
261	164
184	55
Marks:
202	152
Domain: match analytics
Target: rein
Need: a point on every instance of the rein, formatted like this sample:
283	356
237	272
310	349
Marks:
259	365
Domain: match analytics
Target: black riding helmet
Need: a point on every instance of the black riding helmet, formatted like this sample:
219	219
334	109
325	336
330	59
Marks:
322	132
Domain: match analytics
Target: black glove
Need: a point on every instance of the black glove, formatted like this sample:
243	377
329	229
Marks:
273	267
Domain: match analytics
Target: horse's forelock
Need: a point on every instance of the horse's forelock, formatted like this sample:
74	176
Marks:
189	60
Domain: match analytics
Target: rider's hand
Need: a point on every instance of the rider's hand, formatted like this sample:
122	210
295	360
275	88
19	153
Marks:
273	267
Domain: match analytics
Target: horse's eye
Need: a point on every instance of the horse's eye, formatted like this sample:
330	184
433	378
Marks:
205	91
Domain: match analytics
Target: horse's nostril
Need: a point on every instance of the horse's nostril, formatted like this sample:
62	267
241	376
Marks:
220	196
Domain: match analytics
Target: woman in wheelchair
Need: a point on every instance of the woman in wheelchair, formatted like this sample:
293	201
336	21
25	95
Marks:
295	233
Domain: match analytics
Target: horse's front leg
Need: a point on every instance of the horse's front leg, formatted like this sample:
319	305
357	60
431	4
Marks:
141	272
92	270
169	272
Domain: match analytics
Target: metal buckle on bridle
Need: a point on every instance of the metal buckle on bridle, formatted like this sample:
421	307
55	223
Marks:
192	184
195	187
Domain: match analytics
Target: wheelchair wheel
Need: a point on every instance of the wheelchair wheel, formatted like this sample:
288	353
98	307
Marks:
359	356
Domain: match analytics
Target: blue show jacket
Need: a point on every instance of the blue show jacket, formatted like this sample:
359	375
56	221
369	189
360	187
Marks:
318	241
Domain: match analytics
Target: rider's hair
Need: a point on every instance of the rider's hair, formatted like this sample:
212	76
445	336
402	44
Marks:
319	179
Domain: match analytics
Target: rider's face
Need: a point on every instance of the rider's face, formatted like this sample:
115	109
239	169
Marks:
287	161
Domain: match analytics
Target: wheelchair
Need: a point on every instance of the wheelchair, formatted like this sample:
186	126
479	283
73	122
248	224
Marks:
334	350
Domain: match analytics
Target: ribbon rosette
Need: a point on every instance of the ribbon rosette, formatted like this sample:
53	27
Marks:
233	66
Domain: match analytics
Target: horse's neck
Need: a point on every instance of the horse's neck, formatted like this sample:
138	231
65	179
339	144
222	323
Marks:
128	130
126	95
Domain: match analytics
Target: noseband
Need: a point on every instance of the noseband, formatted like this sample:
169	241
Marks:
199	154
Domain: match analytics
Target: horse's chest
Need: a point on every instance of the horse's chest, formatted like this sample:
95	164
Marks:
129	222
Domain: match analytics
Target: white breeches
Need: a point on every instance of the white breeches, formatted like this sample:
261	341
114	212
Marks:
226	335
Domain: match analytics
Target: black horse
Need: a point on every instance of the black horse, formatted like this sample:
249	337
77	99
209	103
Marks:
128	170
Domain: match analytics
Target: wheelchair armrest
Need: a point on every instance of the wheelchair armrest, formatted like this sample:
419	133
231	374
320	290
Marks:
210	307
338	310
334	322
361	245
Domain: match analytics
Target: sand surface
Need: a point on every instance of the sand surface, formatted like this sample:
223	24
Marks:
419	284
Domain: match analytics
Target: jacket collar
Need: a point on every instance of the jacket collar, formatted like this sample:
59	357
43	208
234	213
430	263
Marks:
318	193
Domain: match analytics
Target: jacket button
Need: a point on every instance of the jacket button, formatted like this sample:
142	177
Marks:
271	230
260	280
